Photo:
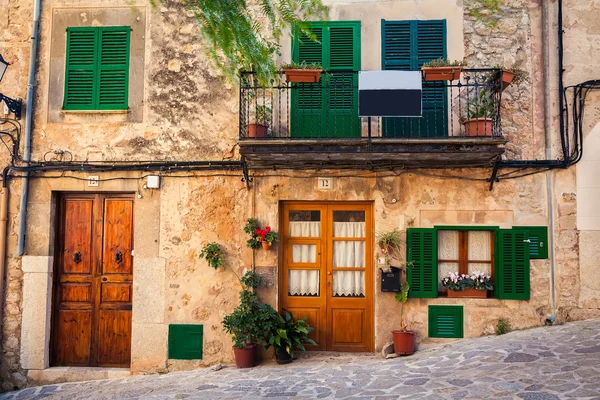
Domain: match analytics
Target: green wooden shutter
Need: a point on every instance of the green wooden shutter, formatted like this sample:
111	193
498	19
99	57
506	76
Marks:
331	108
407	45
421	249
185	341
97	68
445	321
511	279
113	77
80	72
538	241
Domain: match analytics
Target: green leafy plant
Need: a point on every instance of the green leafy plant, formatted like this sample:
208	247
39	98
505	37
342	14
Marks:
264	115
250	322
267	235
502	326
212	254
289	334
441	62
389	241
251	226
479	103
477	280
301	65
402	297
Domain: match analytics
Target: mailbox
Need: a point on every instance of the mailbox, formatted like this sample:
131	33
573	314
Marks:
390	280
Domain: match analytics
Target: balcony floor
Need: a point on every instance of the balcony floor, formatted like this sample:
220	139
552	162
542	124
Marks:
378	153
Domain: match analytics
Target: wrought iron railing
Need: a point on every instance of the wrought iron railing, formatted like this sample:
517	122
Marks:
466	107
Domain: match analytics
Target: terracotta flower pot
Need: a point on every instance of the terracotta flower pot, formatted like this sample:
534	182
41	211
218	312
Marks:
507	78
245	357
257	130
303	75
266	245
386	249
441	73
468	293
404	342
478	127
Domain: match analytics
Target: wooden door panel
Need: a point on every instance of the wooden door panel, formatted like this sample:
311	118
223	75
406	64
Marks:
118	239
114	330
77	248
348	330
73	329
115	293
76	293
314	320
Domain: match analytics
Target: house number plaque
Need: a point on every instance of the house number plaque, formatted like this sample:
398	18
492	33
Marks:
324	183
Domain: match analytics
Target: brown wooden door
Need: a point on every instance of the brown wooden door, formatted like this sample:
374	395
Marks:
93	281
327	272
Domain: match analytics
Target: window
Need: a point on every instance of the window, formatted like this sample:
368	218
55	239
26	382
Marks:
505	253
97	68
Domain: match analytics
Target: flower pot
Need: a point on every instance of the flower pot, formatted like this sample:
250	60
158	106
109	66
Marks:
507	78
478	127
257	130
266	245
404	342
441	73
282	356
303	75
385	249
468	293
245	357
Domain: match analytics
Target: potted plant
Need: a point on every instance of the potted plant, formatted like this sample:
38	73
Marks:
389	241
267	237
480	109
251	228
404	339
302	72
248	323
506	76
286	335
260	127
475	285
442	70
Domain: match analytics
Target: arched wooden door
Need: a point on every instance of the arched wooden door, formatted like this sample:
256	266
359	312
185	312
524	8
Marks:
327	271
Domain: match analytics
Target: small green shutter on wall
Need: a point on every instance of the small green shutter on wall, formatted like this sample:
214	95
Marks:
446	321
538	241
185	341
511	279
421	251
97	68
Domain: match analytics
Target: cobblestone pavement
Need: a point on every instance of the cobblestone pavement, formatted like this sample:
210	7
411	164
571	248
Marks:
544	363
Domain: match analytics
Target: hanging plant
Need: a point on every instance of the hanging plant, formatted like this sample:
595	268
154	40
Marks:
251	228
212	254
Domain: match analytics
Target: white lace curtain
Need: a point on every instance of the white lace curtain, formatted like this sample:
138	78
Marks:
480	249
349	254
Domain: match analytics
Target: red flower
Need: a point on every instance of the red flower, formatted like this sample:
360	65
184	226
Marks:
268	229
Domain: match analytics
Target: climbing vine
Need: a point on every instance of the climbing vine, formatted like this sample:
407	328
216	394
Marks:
485	11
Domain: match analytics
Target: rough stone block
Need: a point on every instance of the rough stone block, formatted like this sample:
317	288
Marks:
148	347
37	264
149	290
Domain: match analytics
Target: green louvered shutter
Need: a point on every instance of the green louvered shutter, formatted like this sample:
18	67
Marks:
511	279
328	109
185	341
445	321
113	77
538	241
80	73
421	251
407	45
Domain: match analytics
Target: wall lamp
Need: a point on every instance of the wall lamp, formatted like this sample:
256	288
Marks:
13	105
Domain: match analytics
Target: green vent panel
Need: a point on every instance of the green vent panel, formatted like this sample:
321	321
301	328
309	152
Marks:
446	321
185	341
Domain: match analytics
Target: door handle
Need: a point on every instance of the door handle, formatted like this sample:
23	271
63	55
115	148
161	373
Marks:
118	257
77	257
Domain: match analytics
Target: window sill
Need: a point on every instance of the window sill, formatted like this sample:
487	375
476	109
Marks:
94	111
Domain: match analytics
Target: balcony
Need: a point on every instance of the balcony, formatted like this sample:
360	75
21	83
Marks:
316	125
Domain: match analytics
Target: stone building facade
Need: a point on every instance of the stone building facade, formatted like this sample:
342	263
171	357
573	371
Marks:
180	110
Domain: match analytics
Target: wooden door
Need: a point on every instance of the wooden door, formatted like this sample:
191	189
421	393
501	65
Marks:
327	272
93	281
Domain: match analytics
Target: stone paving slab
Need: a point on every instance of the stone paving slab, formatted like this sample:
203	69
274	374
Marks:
560	362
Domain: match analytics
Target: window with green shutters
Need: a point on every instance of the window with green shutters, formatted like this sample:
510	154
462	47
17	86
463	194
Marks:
97	68
330	107
513	249
406	46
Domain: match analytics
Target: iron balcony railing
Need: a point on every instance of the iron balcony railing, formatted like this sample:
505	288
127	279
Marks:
466	107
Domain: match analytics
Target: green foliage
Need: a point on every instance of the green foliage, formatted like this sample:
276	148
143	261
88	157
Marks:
288	334
250	322
302	65
486	11
479	103
392	239
440	62
250	229
264	114
239	35
502	327
212	254
402	297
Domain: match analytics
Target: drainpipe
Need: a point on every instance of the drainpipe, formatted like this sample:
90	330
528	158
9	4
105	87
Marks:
546	28
28	127
3	223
